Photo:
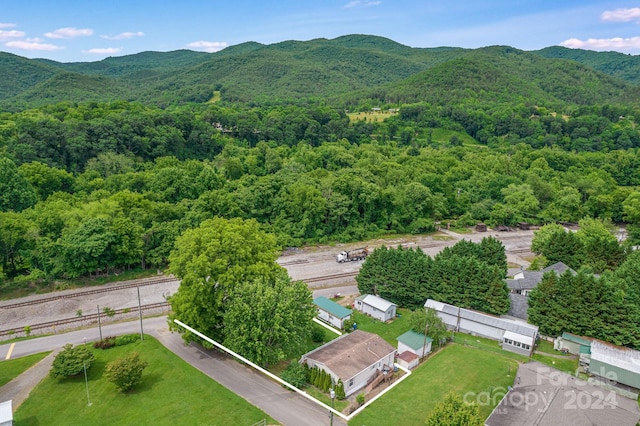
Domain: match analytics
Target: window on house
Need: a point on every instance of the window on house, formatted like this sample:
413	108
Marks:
350	382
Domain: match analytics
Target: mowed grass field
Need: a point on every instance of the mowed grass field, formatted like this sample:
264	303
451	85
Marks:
456	368
12	368
172	392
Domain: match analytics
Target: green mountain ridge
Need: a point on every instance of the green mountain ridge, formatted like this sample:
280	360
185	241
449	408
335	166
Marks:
346	67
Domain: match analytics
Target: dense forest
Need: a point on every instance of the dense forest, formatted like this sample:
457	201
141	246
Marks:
104	165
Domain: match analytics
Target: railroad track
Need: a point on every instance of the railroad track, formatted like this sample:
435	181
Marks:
79	293
83	318
330	277
294	262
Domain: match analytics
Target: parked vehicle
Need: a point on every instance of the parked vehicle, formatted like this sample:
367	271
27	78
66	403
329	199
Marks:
351	255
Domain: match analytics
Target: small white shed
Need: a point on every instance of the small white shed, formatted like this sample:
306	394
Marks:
6	414
332	312
415	343
376	307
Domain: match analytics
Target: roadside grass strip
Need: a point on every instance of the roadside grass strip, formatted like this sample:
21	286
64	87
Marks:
289	385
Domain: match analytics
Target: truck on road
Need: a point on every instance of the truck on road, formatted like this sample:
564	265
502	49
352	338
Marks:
351	255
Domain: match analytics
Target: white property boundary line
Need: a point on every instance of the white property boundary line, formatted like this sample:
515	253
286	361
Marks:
327	326
288	385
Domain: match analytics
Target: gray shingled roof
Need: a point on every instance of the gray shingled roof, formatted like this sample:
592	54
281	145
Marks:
351	353
532	278
519	306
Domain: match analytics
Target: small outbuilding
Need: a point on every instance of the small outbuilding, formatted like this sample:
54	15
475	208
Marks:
576	345
332	312
414	343
376	307
6	413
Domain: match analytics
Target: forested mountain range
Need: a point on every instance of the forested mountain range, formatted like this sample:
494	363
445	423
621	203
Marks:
338	70
104	164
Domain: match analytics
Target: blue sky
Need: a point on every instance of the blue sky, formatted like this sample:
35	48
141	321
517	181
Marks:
90	30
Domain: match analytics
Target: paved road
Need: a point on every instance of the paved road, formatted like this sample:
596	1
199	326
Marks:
285	406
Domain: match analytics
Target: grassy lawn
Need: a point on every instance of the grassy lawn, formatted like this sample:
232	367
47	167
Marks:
568	365
12	368
388	331
455	368
370	116
547	347
172	392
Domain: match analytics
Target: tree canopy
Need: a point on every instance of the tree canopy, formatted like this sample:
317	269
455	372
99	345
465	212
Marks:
460	275
211	261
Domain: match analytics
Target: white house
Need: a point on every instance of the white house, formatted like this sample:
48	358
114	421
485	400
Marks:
515	336
356	358
331	312
376	307
6	413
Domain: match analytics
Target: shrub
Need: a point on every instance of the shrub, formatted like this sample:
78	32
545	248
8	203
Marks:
126	339
317	334
360	398
340	390
347	325
126	372
71	361
106	343
296	374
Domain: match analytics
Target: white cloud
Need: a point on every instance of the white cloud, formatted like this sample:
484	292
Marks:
615	43
125	35
622	15
8	35
359	3
32	45
70	32
7	25
208	46
103	51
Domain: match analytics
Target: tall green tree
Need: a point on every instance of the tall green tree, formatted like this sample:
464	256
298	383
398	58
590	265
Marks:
427	322
211	261
269	321
453	411
16	193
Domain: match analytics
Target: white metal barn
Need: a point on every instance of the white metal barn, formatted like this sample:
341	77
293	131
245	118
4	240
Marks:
376	307
515	336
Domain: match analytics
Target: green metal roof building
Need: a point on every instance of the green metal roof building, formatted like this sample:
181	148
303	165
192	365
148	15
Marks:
331	312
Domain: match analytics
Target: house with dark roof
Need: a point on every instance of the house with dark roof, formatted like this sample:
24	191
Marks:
513	335
376	307
412	343
356	358
525	281
332	312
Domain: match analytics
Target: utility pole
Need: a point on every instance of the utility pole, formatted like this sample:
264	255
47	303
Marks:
140	314
86	383
99	324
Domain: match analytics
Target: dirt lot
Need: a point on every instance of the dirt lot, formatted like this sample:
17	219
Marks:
310	262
